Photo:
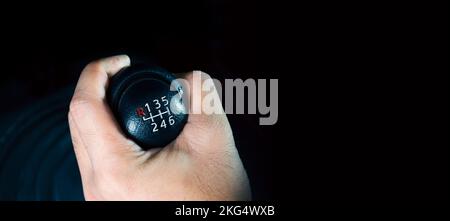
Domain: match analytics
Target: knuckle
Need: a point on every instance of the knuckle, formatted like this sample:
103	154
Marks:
204	75
94	66
78	105
76	147
115	60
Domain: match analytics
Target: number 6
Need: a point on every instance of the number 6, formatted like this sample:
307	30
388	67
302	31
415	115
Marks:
171	120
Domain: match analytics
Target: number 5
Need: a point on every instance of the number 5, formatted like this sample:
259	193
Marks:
164	100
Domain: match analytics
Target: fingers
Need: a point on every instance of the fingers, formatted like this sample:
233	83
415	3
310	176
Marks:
200	90
94	77
91	119
204	132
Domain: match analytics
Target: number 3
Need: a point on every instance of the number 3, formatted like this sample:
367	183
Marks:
157	103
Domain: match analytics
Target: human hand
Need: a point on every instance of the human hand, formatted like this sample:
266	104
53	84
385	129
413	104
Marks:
202	163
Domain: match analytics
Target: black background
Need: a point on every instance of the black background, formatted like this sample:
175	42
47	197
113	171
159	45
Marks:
363	88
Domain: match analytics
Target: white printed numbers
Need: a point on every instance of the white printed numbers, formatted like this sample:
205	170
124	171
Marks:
158	104
163	99
163	124
155	127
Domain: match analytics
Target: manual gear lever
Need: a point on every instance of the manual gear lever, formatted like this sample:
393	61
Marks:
148	104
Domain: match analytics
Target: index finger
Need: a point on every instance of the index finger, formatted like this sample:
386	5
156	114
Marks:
91	115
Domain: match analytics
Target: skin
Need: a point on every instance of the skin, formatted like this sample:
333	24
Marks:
202	163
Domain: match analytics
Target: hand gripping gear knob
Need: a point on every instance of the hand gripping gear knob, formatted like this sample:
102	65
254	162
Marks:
148	104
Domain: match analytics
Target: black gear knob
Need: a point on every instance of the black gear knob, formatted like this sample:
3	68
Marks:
148	104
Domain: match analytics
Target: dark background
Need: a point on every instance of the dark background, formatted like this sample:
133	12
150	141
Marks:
363	88
45	53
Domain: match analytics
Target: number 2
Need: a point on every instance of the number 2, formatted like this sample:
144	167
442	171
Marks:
155	127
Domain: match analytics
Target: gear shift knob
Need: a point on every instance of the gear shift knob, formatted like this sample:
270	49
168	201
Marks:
147	103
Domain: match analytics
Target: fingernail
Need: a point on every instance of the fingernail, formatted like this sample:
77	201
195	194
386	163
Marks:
124	60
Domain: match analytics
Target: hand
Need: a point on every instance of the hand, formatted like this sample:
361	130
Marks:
202	163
